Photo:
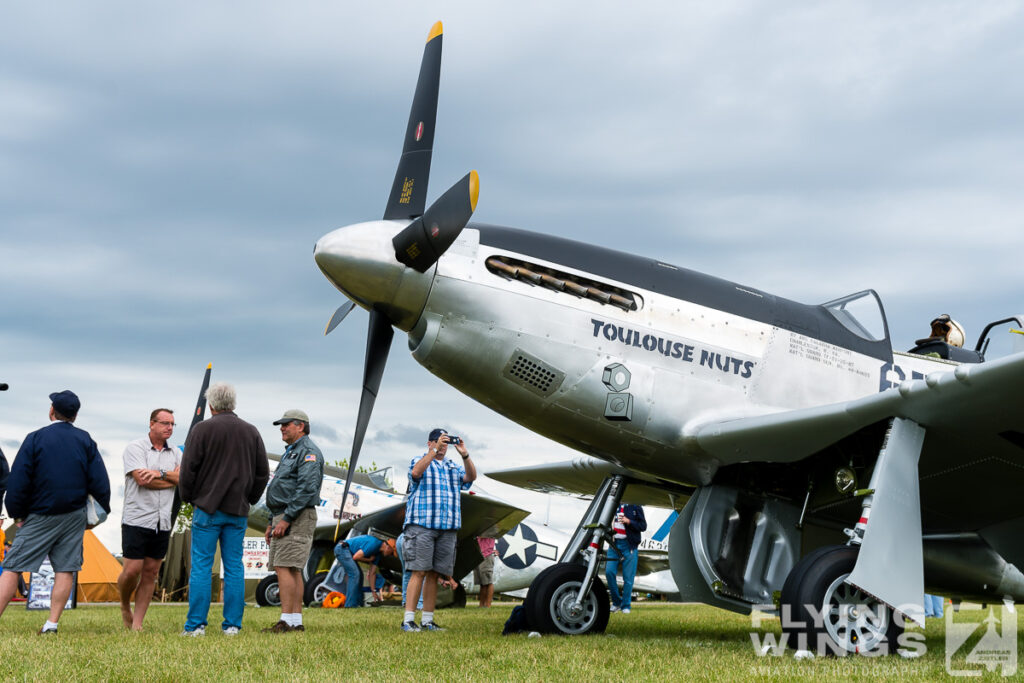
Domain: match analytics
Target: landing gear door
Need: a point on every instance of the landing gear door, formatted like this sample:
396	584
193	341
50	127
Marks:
741	546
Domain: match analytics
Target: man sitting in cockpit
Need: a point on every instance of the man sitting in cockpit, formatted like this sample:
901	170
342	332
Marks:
946	341
947	330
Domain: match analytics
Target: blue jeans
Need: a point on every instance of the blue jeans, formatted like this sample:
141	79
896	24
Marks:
621	553
207	531
353	579
933	606
406	574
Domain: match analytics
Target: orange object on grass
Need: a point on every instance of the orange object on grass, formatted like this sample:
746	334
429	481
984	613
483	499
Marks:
334	599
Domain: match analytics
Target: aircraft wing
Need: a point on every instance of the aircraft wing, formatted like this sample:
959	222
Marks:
978	401
582	476
973	444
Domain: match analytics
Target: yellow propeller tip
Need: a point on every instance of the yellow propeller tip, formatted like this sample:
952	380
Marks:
474	189
435	31
209	366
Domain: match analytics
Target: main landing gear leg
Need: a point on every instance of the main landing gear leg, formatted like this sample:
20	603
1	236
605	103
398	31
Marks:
568	597
854	598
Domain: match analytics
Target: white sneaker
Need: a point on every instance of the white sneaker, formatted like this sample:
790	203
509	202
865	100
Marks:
625	611
199	631
231	631
615	608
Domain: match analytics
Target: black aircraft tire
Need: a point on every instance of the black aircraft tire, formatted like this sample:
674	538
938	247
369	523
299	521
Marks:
553	591
791	623
268	593
312	589
853	621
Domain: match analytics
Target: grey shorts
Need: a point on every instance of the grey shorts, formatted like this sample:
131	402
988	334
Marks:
293	550
426	550
483	575
59	536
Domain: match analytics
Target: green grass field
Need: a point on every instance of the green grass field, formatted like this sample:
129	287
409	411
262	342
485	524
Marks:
657	641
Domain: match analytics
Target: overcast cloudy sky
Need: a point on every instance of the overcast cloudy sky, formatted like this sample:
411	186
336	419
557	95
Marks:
165	170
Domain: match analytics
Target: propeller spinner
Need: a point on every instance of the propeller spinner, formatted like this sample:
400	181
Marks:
383	265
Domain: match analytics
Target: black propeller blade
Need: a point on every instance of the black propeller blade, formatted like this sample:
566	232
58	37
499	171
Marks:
409	191
200	411
423	241
378	344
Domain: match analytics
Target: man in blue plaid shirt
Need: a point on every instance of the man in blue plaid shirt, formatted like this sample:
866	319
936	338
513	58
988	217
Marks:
433	513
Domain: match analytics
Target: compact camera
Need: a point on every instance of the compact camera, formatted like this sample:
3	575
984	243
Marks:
454	440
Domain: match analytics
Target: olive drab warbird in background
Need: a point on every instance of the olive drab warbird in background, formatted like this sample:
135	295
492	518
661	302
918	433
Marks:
807	458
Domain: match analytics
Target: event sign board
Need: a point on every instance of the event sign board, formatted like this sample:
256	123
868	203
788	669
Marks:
40	588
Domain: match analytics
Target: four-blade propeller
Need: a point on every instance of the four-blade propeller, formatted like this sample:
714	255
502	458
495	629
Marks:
424	240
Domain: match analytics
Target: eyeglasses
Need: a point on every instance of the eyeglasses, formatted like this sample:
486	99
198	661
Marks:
166	424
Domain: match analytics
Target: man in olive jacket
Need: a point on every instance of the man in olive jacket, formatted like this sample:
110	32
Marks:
292	498
223	471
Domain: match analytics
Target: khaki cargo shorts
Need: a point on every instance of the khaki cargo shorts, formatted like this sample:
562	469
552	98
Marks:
292	550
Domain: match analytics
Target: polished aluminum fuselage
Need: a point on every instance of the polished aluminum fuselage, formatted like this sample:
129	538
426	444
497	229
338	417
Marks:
688	364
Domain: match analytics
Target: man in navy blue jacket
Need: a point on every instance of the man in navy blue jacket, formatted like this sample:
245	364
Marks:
57	468
627	524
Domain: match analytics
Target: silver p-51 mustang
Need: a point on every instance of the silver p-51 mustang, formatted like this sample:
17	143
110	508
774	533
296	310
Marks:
816	469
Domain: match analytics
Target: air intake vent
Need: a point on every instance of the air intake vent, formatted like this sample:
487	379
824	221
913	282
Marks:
540	276
533	373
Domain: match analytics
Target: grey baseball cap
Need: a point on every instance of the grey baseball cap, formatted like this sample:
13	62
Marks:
290	415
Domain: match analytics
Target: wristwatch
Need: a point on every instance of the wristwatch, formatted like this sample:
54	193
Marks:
163	474
466	456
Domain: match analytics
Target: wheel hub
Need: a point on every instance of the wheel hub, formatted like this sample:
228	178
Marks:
854	620
574	610
569	615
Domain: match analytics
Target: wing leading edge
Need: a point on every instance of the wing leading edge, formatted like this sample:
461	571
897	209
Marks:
582	476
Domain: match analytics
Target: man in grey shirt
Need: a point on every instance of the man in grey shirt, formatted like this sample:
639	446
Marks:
150	475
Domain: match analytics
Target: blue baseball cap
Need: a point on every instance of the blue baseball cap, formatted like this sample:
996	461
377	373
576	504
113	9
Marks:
66	403
436	434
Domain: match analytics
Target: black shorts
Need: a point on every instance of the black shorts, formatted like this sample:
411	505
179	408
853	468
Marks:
138	543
